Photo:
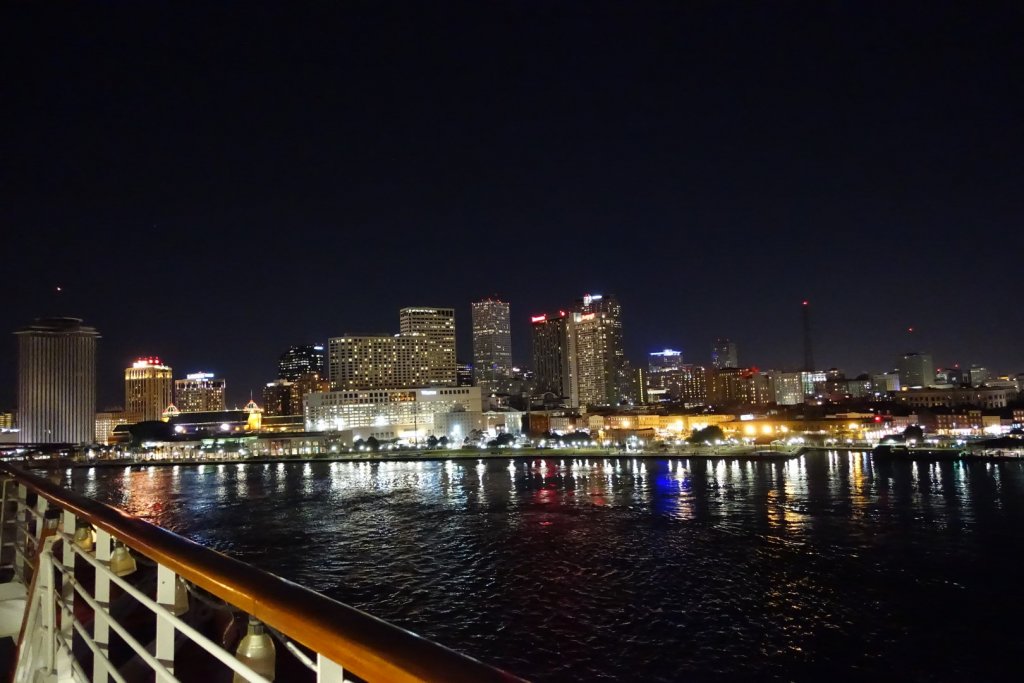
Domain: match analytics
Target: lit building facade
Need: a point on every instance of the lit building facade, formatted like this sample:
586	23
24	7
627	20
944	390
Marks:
106	422
741	386
57	381
379	362
664	361
916	370
437	325
148	386
281	398
408	413
492	345
199	392
554	357
301	360
788	388
601	371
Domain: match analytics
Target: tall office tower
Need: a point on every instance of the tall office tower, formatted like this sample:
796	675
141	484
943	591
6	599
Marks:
978	375
147	390
57	381
380	362
438	326
724	354
199	392
492	345
915	370
301	360
808	350
464	375
663	361
554	357
280	398
600	357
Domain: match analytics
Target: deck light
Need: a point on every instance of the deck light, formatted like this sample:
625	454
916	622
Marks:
256	651
121	562
84	536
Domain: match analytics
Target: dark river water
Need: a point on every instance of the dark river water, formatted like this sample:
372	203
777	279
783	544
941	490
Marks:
830	566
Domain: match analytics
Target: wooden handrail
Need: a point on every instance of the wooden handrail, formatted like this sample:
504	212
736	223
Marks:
367	646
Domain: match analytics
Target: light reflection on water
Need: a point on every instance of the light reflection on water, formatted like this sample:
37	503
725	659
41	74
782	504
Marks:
634	569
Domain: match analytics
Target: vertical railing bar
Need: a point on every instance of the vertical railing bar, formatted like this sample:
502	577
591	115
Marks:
328	671
68	560
166	586
20	558
100	624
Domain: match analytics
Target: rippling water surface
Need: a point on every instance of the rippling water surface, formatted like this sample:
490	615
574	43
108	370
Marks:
653	570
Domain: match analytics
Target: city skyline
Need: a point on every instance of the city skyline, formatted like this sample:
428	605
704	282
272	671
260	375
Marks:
712	166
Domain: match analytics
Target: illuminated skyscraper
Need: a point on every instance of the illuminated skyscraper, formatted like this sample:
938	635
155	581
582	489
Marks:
379	361
492	345
916	370
199	392
554	356
438	326
301	360
600	356
147	390
663	361
57	381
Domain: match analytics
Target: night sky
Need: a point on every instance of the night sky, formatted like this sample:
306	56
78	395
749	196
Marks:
211	184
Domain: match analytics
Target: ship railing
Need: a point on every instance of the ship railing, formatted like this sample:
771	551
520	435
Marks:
72	554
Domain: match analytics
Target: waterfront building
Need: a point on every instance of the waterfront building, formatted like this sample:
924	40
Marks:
147	390
788	388
916	370
601	369
724	354
379	361
301	360
106	422
407	413
961	396
57	381
437	325
492	345
199	391
741	386
554	357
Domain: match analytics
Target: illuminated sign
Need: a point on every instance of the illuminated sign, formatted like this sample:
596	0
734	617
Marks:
199	375
538	318
587	316
429	392
146	362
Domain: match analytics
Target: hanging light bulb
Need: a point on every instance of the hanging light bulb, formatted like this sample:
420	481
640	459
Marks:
84	536
180	597
121	562
256	651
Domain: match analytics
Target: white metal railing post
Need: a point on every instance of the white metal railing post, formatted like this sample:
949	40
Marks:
21	508
67	592
48	603
100	619
328	671
166	585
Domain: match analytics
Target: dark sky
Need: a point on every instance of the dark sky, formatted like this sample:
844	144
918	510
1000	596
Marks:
211	184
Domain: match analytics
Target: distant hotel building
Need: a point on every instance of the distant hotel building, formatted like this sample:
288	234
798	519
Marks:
422	355
57	381
600	356
147	390
301	360
106	422
492	345
410	414
438	326
916	370
199	392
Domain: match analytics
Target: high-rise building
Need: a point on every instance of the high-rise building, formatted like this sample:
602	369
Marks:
663	361
788	388
724	354
106	422
301	360
978	375
57	381
554	357
741	386
147	390
464	375
492	345
379	362
916	370
601	367
199	392
808	349
438	326
281	398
